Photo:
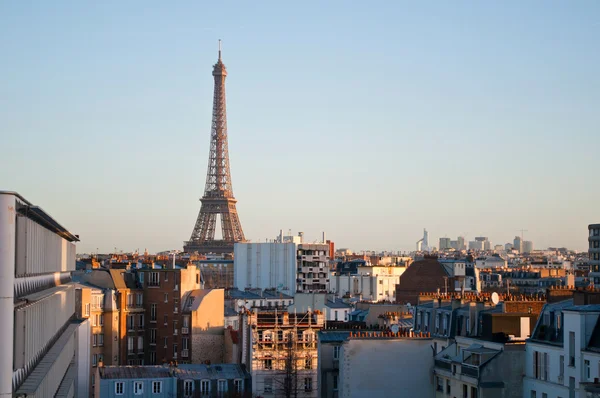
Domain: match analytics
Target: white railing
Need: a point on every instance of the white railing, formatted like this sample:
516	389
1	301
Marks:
185	330
184	353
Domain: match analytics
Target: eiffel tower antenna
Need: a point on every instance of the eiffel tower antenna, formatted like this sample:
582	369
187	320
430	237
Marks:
218	196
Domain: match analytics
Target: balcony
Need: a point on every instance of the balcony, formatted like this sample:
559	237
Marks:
185	353
443	364
185	331
469	370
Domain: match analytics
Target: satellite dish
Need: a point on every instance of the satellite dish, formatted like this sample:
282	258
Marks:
407	305
395	328
248	306
240	303
495	298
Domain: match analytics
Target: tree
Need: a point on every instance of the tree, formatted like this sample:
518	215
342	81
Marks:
287	378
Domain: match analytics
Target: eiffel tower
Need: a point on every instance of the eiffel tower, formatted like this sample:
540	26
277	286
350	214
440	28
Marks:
218	195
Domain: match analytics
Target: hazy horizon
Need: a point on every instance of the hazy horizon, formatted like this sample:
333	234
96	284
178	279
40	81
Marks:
367	122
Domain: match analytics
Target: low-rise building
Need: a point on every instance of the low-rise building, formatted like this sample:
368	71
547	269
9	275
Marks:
399	365
282	351
187	381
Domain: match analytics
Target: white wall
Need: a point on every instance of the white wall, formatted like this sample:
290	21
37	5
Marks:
371	287
265	266
386	368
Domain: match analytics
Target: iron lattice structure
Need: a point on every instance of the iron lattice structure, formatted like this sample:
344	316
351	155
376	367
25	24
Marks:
218	194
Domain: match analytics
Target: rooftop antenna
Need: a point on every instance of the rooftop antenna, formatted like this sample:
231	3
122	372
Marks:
219	49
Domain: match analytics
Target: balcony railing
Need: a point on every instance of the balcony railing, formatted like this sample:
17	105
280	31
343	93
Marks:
184	353
443	364
469	370
185	330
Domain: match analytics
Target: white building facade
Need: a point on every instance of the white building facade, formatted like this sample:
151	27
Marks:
37	255
564	351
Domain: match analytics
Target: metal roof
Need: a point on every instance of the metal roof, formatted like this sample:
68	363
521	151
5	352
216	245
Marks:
38	215
336	304
333	336
186	371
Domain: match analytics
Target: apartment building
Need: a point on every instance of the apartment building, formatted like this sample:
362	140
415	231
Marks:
280	343
202	329
480	368
186	381
45	348
100	307
563	354
164	291
124	298
289	266
594	252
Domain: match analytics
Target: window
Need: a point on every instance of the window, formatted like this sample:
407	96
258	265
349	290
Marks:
448	387
439	384
165	319
129	300
130	344
308	363
166	276
561	369
222	385
152	357
166	341
94	359
268	385
141	321
152	336
204	386
174	350
93	380
268	363
188	388
154	279
119	388
86	311
336	352
140	343
153	313
473	392
138	388
308	384
586	369
101	339
465	391
156	387
335	313
238	385
571	348
186	321
533	394
130	322
95	340
166	297
335	382
139	299
185	343
544	395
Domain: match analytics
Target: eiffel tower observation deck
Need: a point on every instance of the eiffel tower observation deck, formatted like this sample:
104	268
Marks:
218	199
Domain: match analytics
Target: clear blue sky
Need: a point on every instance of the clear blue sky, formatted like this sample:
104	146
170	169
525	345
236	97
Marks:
369	120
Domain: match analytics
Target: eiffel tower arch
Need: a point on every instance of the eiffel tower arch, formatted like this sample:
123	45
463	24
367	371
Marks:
218	196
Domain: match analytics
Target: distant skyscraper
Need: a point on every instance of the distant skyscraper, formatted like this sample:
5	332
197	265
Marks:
461	243
508	246
594	252
476	245
517	244
423	243
444	243
527	246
